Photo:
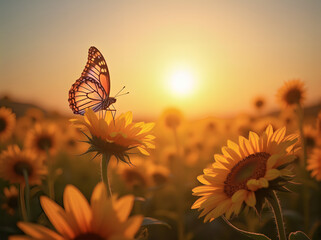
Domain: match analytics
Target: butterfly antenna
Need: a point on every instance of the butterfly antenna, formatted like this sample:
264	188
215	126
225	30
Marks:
122	94
120	91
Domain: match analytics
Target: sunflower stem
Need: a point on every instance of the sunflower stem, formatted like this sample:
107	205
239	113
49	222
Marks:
303	140
23	203
306	194
276	207
104	172
51	184
27	192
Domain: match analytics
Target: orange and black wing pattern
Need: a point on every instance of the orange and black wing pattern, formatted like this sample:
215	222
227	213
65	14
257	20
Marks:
86	93
91	90
96	68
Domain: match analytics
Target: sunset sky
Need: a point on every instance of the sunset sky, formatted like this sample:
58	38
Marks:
228	52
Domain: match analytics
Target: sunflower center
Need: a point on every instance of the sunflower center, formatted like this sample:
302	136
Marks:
251	167
19	167
3	124
293	96
44	143
310	141
12	202
134	178
259	103
159	178
88	236
71	143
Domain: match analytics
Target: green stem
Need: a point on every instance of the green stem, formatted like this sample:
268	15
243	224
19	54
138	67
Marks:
23	203
300	122
276	207
51	185
27	192
306	193
104	172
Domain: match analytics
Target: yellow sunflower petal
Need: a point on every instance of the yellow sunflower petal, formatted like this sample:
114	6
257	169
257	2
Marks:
57	217
272	174
123	206
38	232
251	199
77	207
132	225
239	196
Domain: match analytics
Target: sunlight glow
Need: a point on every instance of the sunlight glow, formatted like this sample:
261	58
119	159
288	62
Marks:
182	82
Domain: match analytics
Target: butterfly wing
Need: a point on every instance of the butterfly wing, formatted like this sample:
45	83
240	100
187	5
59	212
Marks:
86	92
96	68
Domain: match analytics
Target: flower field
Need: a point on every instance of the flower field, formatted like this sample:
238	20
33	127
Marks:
100	176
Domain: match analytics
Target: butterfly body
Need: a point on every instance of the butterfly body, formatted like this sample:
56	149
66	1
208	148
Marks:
91	90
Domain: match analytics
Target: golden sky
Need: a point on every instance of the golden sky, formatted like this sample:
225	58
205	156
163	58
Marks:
231	51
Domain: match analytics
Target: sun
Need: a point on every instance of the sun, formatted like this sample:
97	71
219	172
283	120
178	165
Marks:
182	82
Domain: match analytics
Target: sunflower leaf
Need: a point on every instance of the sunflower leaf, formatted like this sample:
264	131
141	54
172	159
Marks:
252	235
153	221
298	236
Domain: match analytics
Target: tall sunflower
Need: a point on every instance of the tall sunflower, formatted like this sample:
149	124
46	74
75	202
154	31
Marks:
43	138
245	173
13	162
172	118
7	123
11	199
292	93
259	102
314	164
117	137
103	219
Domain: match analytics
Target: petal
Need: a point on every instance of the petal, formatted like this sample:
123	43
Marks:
198	202
272	174
279	135
230	153
239	196
218	211
38	231
77	207
253	184
132	225
272	161
57	217
251	199
16	237
254	140
123	207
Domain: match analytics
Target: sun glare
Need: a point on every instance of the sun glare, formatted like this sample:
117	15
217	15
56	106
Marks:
182	82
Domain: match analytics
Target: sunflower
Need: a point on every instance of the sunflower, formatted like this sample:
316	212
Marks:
104	218
43	138
35	115
72	141
13	163
169	155
23	125
245	174
117	136
134	175
259	103
314	164
292	93
311	136
11	199
7	123
158	174
172	118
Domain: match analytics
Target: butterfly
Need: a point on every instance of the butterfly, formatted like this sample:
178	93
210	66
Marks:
92	89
